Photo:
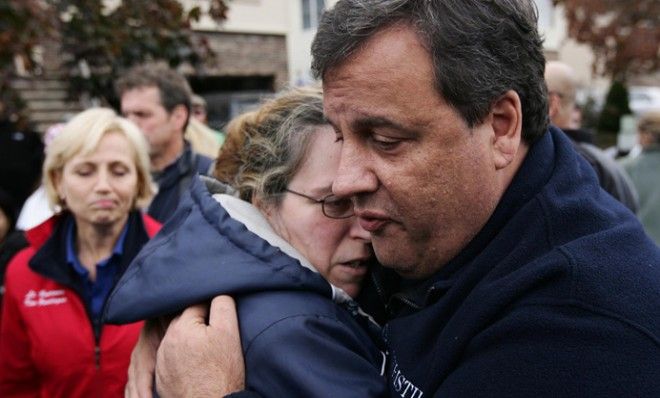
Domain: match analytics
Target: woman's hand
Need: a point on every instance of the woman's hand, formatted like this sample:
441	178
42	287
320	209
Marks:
199	360
143	360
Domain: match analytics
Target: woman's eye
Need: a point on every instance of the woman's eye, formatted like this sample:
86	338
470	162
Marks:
119	171
83	172
337	207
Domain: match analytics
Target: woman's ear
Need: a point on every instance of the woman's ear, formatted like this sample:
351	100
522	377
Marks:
270	211
506	121
265	207
256	201
56	177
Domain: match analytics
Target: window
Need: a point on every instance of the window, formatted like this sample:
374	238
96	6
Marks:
311	12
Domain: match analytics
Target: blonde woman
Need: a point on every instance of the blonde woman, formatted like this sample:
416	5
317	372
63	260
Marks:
53	341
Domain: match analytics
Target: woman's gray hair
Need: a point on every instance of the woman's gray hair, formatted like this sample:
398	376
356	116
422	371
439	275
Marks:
480	49
275	138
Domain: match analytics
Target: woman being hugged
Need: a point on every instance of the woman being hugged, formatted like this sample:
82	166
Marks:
53	341
291	253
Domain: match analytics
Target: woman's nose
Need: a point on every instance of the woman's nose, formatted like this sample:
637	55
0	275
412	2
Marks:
102	181
357	232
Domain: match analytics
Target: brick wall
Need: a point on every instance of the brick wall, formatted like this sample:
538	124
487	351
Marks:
238	54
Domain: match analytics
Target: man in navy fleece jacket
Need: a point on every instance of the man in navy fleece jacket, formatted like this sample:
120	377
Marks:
521	276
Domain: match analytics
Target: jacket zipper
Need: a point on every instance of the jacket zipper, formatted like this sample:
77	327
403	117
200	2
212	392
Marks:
407	301
97	356
96	329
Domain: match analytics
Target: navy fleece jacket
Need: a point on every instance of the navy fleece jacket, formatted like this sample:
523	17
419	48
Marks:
557	296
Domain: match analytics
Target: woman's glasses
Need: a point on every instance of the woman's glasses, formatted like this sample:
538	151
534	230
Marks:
332	206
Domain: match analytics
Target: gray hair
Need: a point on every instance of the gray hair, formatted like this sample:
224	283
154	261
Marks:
272	142
480	49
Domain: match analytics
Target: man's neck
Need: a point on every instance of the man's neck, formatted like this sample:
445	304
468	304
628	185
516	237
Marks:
168	156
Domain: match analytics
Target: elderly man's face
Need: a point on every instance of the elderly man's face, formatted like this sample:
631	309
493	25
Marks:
424	183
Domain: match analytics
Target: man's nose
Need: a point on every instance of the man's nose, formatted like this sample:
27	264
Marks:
354	175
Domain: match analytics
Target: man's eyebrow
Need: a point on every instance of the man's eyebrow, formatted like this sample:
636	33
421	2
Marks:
370	122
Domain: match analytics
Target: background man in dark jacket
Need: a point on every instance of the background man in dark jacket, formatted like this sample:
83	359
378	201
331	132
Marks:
157	99
562	88
521	278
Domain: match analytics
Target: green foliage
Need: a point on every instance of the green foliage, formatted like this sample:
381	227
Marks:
623	34
102	43
616	105
590	114
99	42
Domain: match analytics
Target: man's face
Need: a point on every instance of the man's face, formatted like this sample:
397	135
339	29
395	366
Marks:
423	182
143	106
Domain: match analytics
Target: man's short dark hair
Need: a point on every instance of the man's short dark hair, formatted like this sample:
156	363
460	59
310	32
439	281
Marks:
173	88
480	49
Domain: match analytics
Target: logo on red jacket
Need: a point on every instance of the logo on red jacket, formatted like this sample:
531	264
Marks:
44	298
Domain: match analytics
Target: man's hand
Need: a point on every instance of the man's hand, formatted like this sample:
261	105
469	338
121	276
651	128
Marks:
143	360
200	360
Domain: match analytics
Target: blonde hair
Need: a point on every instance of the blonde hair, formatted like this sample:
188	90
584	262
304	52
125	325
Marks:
81	135
265	148
202	139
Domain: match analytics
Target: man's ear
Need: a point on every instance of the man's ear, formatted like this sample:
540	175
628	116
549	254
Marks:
506	121
178	116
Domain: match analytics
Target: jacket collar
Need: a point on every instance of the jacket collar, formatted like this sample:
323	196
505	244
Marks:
49	241
171	174
535	172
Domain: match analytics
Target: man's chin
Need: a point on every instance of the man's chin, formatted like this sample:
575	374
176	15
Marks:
397	255
390	255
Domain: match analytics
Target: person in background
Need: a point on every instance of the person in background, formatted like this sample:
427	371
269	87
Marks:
644	171
157	99
7	246
52	339
21	156
520	278
200	122
199	110
562	88
7	215
36	208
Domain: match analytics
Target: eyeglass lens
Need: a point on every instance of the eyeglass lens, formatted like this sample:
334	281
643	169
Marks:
334	207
